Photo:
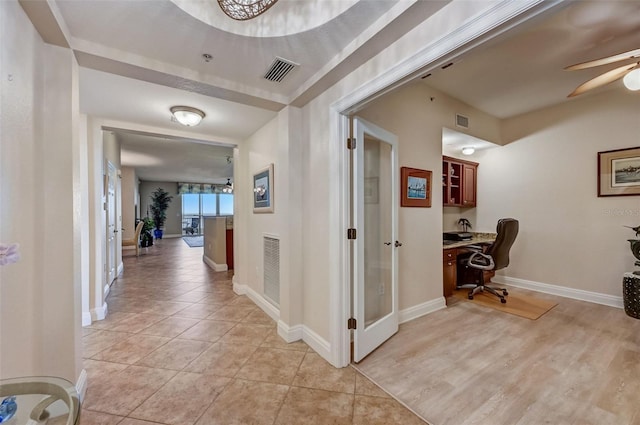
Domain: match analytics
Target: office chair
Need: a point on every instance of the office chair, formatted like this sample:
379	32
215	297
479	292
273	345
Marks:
495	258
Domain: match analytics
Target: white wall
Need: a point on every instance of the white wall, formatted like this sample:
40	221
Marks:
547	178
40	204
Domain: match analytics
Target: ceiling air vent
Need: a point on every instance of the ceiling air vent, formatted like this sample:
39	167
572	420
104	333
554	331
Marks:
279	69
462	121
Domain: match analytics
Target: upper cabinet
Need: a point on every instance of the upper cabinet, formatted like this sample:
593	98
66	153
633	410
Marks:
458	182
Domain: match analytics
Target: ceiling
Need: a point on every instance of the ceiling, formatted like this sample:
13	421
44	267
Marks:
138	58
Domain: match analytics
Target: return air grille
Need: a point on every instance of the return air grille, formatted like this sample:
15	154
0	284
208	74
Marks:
462	121
279	69
272	269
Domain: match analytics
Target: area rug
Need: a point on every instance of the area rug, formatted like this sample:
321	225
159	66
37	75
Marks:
194	241
523	305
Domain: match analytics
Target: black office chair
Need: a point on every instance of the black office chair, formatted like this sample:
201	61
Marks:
495	258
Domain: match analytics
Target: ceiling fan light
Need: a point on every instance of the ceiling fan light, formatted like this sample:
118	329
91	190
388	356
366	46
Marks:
468	150
632	79
187	115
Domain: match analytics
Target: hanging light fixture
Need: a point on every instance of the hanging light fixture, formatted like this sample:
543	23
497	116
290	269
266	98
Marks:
186	115
228	188
242	10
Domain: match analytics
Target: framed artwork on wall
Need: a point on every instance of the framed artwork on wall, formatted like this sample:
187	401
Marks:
415	187
263	190
619	172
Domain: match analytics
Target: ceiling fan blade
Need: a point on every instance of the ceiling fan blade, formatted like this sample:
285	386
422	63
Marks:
602	79
632	54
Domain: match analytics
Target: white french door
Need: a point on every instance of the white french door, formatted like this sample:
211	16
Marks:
374	214
112	228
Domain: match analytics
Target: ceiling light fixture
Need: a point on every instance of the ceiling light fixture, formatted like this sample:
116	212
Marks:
187	115
468	150
632	80
242	10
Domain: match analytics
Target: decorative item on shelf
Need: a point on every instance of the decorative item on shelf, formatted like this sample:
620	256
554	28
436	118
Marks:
160	200
465	223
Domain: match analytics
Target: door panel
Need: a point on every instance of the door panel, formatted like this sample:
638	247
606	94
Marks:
112	229
375	193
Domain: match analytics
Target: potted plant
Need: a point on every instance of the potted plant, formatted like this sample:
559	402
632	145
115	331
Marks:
146	238
465	223
160	200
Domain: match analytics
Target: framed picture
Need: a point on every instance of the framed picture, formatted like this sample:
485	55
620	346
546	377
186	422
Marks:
415	187
619	172
263	190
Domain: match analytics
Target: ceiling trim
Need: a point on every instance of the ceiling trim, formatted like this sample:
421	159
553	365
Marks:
46	21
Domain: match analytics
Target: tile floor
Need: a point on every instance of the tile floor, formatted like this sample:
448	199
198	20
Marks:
180	347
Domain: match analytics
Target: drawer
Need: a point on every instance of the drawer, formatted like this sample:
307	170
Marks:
449	255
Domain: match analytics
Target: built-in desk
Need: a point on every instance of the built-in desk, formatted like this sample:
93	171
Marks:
450	252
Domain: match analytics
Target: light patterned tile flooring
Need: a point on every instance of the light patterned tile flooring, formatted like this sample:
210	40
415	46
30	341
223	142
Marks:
180	347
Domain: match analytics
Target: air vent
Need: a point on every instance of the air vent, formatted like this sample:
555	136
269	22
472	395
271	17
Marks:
279	69
462	121
272	269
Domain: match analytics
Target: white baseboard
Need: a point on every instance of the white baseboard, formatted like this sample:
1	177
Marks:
81	385
422	309
99	313
562	291
290	333
317	343
86	318
217	267
120	269
238	287
105	291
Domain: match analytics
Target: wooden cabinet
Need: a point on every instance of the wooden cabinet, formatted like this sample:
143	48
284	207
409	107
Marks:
449	271
458	182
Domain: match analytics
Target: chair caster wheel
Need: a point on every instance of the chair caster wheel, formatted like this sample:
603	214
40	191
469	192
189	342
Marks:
504	292
503	301
470	297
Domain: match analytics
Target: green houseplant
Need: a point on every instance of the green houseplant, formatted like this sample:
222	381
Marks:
146	238
160	200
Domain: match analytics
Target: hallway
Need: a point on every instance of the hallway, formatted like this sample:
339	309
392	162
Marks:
180	347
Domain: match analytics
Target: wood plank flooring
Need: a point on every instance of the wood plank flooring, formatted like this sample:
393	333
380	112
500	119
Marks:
579	364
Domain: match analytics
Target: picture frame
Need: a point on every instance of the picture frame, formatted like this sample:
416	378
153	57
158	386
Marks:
619	172
263	190
415	187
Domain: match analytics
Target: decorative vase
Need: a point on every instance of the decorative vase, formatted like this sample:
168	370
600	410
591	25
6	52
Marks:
157	233
631	294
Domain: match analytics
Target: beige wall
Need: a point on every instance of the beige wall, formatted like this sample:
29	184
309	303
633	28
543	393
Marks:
215	239
40	207
129	185
547	178
173	224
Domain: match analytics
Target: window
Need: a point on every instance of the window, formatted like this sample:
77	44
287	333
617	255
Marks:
195	206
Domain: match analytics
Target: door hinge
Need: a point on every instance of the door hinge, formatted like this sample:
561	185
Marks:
351	234
351	143
351	323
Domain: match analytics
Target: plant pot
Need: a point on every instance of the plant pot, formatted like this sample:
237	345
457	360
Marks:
631	294
157	233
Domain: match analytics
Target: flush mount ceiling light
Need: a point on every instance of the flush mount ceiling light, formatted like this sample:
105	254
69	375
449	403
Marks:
468	150
187	115
242	10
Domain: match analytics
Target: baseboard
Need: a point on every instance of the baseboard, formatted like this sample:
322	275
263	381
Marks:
238	288
217	267
99	313
290	333
562	291
105	291
81	385
421	309
86	318
317	343
120	269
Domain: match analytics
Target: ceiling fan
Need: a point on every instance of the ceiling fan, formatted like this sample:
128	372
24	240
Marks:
630	72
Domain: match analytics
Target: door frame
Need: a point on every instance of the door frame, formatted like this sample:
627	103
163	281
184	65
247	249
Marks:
492	22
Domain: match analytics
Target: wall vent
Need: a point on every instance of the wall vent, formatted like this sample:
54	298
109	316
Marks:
462	121
272	269
279	69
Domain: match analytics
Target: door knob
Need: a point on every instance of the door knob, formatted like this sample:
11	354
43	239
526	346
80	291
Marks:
387	243
398	244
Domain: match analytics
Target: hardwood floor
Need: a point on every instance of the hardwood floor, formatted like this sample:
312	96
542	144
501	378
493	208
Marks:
579	364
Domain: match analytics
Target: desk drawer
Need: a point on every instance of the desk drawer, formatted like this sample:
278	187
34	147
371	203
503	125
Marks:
449	255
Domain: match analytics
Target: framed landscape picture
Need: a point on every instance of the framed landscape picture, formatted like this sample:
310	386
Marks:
619	172
415	187
263	190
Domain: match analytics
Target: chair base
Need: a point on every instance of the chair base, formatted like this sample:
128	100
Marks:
476	289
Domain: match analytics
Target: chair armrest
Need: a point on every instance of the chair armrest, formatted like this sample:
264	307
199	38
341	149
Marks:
481	261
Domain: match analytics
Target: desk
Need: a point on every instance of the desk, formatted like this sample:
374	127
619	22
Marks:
450	251
42	399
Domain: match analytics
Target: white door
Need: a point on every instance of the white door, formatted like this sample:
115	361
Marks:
374	260
112	229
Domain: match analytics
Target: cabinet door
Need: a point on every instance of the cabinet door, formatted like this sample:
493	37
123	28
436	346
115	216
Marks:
452	183
448	277
469	185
